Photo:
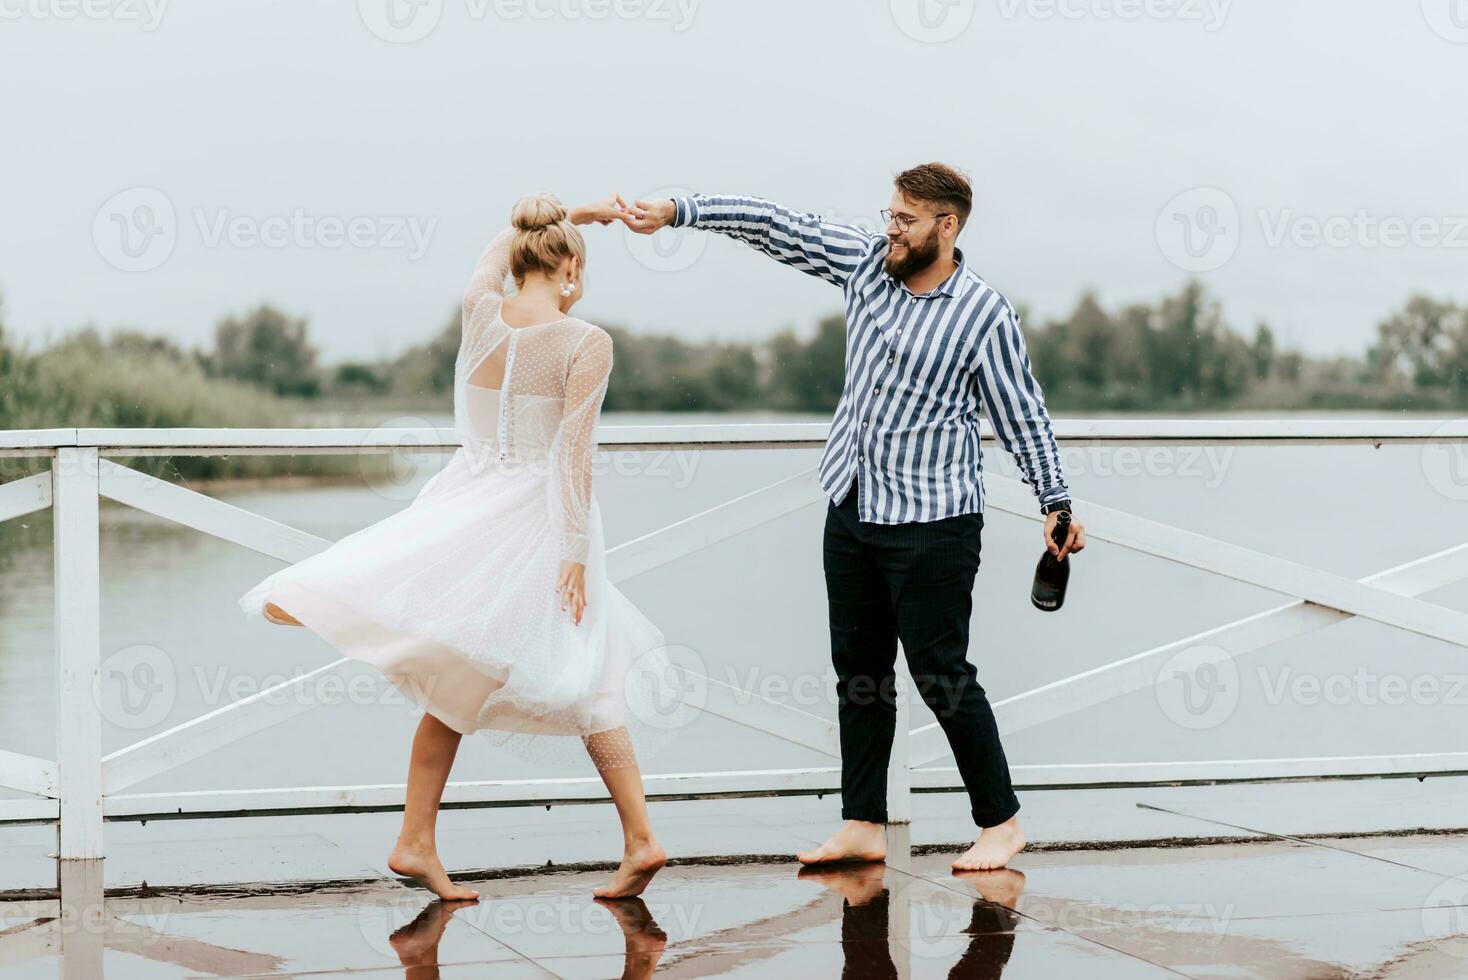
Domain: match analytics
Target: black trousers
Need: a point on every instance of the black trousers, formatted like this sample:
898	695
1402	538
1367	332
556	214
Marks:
911	582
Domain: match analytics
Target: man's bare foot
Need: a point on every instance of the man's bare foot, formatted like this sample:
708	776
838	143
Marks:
857	883
1001	886
995	846
857	840
640	861
423	866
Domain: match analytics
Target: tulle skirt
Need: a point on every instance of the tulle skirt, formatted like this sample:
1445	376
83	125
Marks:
454	598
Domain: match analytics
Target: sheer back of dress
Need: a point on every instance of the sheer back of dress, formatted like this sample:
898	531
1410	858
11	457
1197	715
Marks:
530	395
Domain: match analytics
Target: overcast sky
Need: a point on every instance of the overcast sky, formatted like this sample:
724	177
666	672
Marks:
166	164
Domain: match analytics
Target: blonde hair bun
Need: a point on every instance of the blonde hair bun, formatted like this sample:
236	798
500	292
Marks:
537	211
543	237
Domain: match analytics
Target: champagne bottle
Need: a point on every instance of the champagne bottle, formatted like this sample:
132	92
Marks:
1051	574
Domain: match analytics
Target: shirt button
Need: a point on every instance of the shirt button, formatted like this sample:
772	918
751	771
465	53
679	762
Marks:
862	459
876	389
864	423
889	360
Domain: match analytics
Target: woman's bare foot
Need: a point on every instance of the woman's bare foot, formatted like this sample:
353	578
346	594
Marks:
279	616
995	846
645	939
417	942
640	861
423	866
857	840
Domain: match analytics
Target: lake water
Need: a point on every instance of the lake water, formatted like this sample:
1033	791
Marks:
752	610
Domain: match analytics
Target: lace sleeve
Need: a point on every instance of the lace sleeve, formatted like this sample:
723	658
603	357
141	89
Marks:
488	280
586	389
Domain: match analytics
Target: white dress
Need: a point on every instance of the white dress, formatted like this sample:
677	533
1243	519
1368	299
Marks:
455	597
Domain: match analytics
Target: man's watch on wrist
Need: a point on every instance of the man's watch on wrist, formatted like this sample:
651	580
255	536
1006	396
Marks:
1051	508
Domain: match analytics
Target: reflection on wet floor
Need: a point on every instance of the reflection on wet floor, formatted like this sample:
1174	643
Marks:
1363	907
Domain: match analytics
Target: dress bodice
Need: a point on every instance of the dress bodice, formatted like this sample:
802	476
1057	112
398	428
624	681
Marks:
527	433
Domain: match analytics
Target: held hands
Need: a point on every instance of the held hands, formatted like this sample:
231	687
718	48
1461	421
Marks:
603	212
1074	541
643	217
573	589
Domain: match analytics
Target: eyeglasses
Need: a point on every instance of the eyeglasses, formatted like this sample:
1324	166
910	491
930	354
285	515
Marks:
904	221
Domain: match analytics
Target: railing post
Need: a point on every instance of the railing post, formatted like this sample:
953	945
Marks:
78	651
899	775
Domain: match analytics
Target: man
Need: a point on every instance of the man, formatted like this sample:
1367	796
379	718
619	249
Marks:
927	341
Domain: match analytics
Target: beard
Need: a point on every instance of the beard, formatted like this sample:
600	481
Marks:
915	258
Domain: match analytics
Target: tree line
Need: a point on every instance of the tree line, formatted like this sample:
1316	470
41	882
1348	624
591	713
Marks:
1177	354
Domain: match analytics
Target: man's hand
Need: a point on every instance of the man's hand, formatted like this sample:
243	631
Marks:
646	217
1074	541
602	212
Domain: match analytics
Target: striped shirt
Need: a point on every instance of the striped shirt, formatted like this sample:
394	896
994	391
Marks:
918	366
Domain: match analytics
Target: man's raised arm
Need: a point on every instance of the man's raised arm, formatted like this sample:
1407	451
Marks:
821	248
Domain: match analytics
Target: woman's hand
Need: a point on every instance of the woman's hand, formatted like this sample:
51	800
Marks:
573	589
602	212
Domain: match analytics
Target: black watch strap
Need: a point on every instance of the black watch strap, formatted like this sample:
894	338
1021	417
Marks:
1051	508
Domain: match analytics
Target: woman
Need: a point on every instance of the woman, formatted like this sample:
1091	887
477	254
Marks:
486	599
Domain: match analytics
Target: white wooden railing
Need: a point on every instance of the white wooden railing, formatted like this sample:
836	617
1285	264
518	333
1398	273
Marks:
82	787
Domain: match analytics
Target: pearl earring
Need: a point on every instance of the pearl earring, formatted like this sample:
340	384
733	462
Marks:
567	289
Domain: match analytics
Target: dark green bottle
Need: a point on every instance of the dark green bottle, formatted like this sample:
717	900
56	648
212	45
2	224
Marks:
1051	574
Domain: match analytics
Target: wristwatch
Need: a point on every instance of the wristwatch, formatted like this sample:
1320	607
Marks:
1051	508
